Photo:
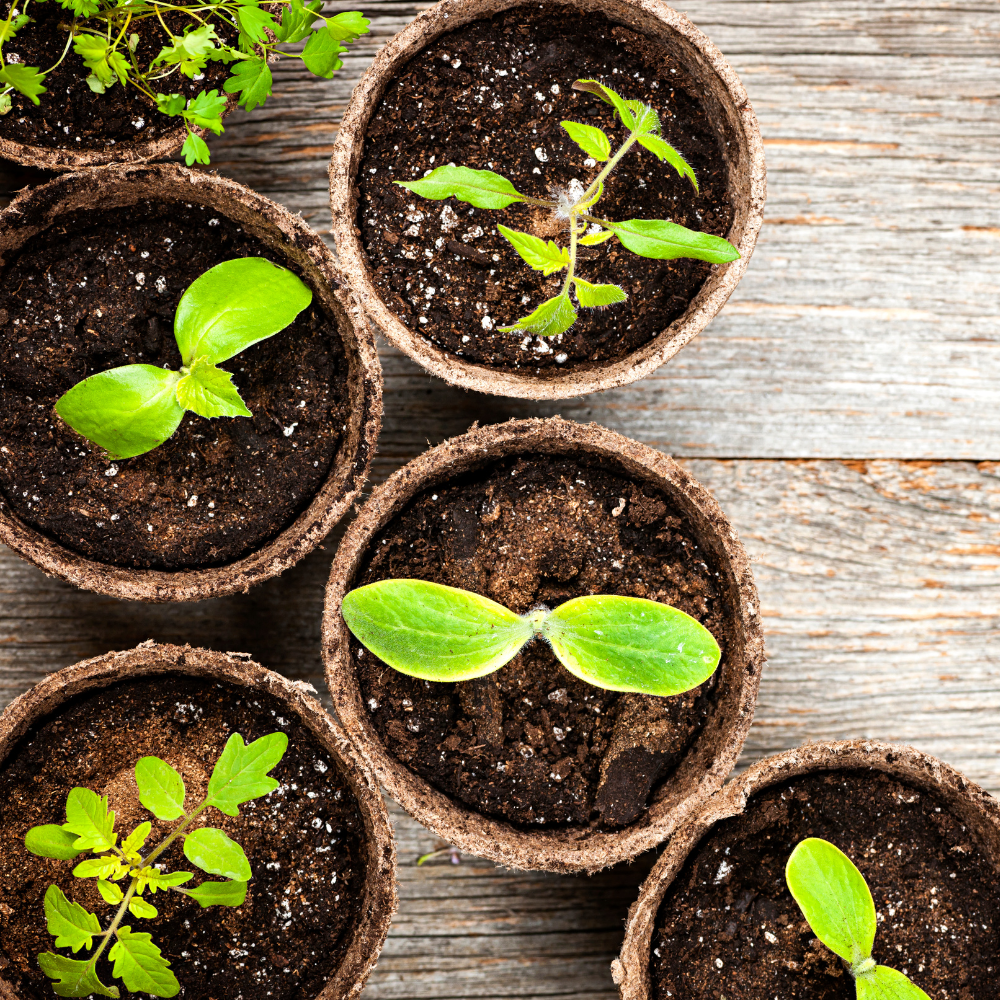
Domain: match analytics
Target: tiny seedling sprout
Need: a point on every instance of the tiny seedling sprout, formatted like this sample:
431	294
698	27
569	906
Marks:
576	207
838	906
240	774
133	409
440	633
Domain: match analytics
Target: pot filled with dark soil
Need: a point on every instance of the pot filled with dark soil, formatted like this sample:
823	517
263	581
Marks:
320	851
716	918
531	766
486	84
94	265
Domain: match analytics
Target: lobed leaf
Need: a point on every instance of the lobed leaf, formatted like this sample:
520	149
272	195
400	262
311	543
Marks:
322	53
348	25
664	240
154	879
105	867
140	908
88	816
195	150
209	392
592	296
25	80
252	80
81	8
141	966
109	891
536	253
51	841
884	983
171	104
593	141
552	317
664	151
611	97
240	774
255	22
191	51
479	188
74	978
218	893
132	844
72	925
297	20
213	852
206	111
101	58
161	788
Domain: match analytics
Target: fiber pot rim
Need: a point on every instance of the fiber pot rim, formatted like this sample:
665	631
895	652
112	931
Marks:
37	208
707	762
977	808
747	188
151	659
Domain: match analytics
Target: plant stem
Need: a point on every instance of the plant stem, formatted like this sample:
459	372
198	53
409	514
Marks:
119	916
189	818
610	165
572	253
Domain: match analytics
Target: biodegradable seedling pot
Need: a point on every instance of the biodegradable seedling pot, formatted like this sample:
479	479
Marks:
530	766
94	264
320	846
380	228
715	917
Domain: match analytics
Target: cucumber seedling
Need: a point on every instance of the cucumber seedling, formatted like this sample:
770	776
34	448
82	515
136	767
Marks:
240	774
576	207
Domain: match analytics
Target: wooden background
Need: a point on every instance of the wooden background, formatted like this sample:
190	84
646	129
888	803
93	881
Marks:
843	408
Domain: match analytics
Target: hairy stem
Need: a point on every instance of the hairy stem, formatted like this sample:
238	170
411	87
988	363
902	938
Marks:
119	916
189	818
572	253
609	166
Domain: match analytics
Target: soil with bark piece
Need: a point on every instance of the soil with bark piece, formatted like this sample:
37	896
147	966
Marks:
491	95
728	926
305	841
100	290
531	743
69	114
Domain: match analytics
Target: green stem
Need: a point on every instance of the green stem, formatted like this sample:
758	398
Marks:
189	818
600	222
572	253
538	201
69	42
119	916
609	166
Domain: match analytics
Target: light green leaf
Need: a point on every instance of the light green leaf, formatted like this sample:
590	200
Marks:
112	893
126	411
631	644
322	53
104	867
88	816
11	26
73	926
609	96
82	8
234	305
646	119
884	983
252	80
209	392
297	20
74	978
206	111
536	253
51	841
154	879
348	25
593	141
663	240
5	103
101	58
254	21
140	908
190	51
138	962
170	104
480	188
25	80
161	788
552	317
213	852
195	150
591	296
132	844
665	151
592	239
834	898
218	893
240	774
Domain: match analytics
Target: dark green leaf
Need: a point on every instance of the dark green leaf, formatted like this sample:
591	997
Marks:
480	188
254	22
552	317
667	152
252	80
663	240
593	296
322	53
26	80
297	20
240	774
536	253
72	925
88	816
213	852
51	841
74	978
195	150
161	788
591	140
138	962
218	893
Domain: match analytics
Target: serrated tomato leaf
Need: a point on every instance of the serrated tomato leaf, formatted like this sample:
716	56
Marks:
241	772
73	977
72	925
141	966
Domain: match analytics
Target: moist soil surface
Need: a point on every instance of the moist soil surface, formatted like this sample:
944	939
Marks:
728	926
305	841
70	115
491	95
531	743
100	290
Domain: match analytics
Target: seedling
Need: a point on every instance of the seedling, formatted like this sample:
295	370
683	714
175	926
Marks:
133	409
440	633
656	238
98	32
838	905
240	774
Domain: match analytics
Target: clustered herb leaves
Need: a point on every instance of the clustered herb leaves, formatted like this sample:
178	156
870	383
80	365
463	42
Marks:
240	774
440	633
838	905
656	238
135	408
98	31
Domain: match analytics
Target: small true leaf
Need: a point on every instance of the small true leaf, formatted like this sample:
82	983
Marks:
74	978
593	141
154	879
592	239
297	20
209	392
536	253
206	111
240	774
252	80
664	240
132	844
480	188
591	296
88	816
51	841
104	867
254	21
161	788
73	926
884	983
213	852
348	25
609	96
139	963
218	893
112	893
140	908
26	80
631	644
665	151
195	150
322	53
434	632
554	316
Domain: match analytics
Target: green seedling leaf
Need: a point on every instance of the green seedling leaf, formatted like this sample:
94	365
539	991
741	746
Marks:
51	841
434	632
104	867
25	80
218	893
206	111
132	844
664	151
611	97
322	53
213	852
254	22
140	908
593	239
88	816
349	25
216	317
552	317
161	788
297	20
153	879
10	27
536	253
240	774
647	121
252	80
834	898
139	963
593	141
209	392
190	51
663	240
195	150
112	893
72	925
592	296
81	8
101	58
479	188
884	983
631	644
171	104
74	978
126	411
5	103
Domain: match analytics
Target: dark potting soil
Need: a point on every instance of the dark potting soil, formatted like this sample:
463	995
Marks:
100	290
531	743
728	926
305	841
70	115
491	95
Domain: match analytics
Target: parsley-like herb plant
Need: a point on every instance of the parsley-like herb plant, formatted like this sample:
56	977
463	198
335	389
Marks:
135	408
440	633
98	31
576	208
240	774
838	906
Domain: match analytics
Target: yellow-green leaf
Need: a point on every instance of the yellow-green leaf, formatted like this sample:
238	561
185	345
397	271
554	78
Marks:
51	841
161	788
593	141
73	977
73	926
480	188
139	963
554	316
241	772
536	253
